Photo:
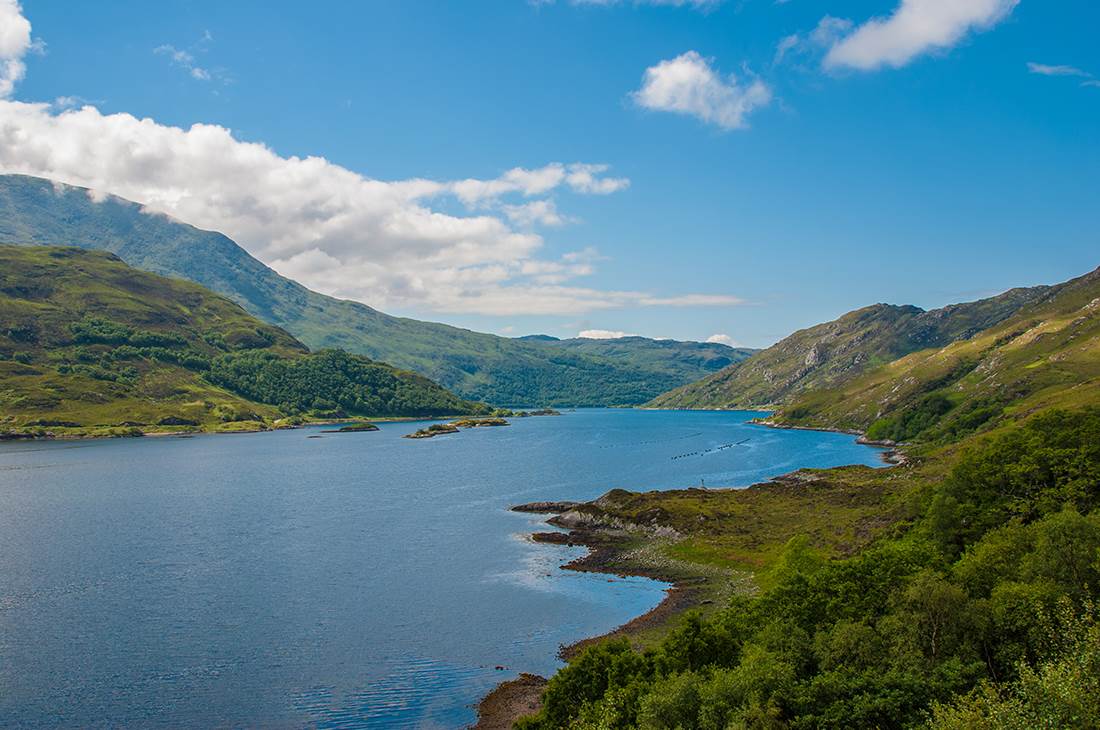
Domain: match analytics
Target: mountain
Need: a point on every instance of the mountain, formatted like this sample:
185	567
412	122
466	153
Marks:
1046	355
479	366
679	359
90	345
833	353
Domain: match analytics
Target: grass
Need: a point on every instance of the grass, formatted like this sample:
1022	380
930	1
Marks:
91	347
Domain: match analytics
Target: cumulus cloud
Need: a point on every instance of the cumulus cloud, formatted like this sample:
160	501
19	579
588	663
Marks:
688	84
541	212
916	27
15	43
339	232
723	340
604	334
386	243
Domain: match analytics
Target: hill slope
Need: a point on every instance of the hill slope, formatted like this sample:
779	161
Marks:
829	354
87	343
1047	355
481	366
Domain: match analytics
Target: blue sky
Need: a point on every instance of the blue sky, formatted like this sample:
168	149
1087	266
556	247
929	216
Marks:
866	163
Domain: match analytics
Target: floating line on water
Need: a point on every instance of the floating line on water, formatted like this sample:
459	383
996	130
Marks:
708	451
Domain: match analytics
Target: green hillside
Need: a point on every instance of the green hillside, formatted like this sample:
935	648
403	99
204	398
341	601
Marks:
500	370
90	345
835	352
1047	355
956	590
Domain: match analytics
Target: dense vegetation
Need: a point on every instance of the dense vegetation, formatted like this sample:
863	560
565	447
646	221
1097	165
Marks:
499	370
977	612
834	353
90	345
332	381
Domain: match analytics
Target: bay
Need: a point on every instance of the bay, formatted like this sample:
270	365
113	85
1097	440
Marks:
350	580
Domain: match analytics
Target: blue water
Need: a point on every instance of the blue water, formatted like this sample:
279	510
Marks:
352	580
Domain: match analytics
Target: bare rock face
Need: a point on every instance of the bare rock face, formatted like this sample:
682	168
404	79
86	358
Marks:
815	356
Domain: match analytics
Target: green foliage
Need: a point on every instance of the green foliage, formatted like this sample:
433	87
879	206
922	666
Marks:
1027	472
945	616
88	344
334	382
912	422
1060	691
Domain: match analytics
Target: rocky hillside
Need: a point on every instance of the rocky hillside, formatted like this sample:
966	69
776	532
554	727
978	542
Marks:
836	352
1047	355
89	345
500	370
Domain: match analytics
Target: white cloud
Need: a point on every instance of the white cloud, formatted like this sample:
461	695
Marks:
335	230
689	85
785	45
723	340
1071	71
15	42
1045	70
578	177
381	242
829	30
604	334
915	27
542	212
183	59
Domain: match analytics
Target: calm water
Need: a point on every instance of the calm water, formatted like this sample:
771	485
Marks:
353	580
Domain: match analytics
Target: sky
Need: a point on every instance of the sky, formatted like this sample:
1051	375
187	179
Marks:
696	169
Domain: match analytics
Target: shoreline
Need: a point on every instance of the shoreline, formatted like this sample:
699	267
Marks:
608	553
132	432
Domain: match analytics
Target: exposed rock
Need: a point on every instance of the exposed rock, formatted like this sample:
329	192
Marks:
544	508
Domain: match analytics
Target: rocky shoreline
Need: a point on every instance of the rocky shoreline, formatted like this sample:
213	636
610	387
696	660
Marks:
612	549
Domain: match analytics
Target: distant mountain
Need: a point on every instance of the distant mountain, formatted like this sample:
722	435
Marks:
1046	355
677	358
91	345
836	352
503	371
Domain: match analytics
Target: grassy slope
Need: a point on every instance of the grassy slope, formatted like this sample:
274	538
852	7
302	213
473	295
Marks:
1047	355
481	366
835	352
49	378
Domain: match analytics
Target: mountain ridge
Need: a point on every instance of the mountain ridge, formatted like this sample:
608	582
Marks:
831	353
479	366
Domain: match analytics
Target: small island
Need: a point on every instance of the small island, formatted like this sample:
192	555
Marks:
354	428
507	412
436	429
479	422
